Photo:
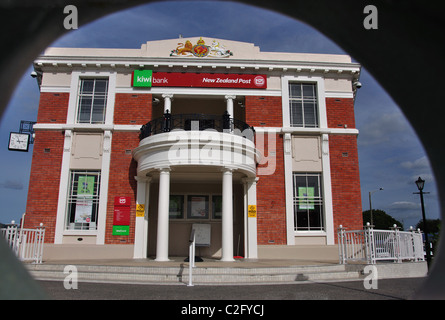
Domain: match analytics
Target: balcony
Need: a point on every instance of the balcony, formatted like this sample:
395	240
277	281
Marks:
197	122
184	141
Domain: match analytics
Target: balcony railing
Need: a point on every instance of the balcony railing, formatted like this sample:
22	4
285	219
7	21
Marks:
197	122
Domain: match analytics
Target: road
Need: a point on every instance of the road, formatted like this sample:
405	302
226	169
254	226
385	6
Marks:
389	289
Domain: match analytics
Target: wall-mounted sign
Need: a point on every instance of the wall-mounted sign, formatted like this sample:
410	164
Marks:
141	78
121	230
251	211
140	210
199	80
121	217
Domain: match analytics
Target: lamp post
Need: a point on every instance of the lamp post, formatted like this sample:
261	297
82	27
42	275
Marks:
370	204
420	184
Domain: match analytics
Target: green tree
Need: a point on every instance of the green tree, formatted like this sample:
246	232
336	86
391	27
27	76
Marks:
381	219
433	228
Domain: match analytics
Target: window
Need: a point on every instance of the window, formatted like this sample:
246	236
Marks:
308	202
83	200
198	207
195	207
303	105
92	100
176	208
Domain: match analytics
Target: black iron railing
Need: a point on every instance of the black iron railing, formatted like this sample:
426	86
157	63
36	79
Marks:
197	122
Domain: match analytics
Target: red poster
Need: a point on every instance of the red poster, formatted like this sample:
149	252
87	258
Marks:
121	216
209	80
122	207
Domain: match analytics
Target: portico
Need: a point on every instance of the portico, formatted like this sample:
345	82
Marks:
215	161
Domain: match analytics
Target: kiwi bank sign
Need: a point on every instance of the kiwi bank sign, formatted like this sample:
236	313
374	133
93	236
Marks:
148	78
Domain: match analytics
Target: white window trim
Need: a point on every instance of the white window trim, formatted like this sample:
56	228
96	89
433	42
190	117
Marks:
326	169
73	99
321	98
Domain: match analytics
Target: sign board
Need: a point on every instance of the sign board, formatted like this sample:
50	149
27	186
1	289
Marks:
141	78
121	215
147	78
251	211
140	210
202	234
121	230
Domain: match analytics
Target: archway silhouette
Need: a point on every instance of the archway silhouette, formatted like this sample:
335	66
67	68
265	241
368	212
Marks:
404	52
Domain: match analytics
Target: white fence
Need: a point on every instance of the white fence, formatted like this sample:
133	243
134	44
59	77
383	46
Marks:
27	244
371	245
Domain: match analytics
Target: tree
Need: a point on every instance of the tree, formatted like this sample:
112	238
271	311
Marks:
433	228
381	219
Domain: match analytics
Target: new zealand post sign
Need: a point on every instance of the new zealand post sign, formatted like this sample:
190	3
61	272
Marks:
147	78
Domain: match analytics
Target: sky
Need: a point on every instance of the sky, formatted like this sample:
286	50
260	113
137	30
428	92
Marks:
390	155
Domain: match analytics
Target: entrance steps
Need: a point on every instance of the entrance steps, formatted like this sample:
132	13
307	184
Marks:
201	275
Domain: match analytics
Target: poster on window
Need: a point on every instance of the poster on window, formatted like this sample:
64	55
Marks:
84	211
85	186
306	198
198	206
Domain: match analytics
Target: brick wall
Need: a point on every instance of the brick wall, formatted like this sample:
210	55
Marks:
132	108
44	182
340	111
53	107
263	111
129	109
271	207
271	201
122	182
345	177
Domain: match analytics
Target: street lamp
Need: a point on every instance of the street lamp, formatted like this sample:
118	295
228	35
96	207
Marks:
370	205
420	184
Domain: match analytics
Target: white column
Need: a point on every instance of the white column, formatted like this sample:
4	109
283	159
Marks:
229	101
141	225
227	216
63	188
167	102
251	245
163	205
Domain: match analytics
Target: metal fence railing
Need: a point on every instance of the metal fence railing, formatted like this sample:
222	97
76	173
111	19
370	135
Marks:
27	244
370	245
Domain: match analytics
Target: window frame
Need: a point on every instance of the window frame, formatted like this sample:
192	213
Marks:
210	207
94	96
74	201
316	204
302	101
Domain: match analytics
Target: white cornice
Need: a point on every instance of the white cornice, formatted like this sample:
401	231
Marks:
234	65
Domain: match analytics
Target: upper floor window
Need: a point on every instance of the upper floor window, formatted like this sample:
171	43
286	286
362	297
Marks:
303	105
92	100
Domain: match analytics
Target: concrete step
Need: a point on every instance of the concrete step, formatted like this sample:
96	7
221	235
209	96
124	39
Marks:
200	275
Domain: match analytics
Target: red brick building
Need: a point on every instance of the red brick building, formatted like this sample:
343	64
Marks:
255	151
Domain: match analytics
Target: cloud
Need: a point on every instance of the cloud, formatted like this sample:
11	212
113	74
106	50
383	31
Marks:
419	164
383	128
14	185
404	205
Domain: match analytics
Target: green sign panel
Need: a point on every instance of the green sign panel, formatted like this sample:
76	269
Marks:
142	78
121	230
306	196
